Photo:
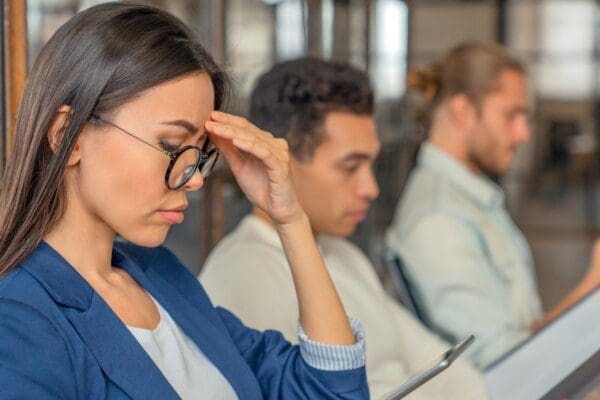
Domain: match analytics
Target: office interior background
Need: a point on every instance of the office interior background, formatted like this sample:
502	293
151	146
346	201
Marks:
553	189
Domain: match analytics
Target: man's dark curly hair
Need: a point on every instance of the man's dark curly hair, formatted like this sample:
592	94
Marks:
293	98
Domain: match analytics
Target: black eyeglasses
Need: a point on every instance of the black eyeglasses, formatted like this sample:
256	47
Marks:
184	161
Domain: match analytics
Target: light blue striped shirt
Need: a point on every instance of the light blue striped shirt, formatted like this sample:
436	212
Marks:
470	265
329	357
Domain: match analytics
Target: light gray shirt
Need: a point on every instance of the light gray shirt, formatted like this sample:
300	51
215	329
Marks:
470	265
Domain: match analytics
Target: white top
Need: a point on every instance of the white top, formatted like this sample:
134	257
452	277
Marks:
186	368
248	274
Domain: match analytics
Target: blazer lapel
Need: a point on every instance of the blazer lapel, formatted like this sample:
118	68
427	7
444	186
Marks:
117	352
214	343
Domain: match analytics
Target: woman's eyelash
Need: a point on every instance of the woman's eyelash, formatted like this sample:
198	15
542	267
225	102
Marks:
168	147
174	147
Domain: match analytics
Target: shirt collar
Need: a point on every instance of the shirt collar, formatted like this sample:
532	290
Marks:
262	228
479	188
268	233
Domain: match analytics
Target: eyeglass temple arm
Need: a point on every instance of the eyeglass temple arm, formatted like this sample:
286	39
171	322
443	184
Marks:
168	153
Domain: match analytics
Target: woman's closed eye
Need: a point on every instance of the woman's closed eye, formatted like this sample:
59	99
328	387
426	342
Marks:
170	147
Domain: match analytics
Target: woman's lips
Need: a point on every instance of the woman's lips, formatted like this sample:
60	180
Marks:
173	217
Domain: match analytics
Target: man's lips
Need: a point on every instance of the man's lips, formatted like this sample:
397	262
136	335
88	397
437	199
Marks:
358	215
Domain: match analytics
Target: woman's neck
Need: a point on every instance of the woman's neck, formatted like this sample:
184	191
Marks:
84	241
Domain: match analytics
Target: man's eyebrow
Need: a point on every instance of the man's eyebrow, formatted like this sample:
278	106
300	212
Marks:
187	125
357	156
520	110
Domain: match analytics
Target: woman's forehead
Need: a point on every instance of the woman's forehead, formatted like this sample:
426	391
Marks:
185	101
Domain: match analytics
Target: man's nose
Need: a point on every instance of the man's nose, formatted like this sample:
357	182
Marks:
522	131
368	187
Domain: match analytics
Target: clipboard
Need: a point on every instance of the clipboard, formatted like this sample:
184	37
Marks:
446	360
549	358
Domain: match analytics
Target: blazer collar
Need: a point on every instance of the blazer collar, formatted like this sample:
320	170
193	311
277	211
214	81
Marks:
122	358
116	350
210	339
58	277
63	282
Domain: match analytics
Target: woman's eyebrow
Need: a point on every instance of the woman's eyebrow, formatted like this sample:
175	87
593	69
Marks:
187	125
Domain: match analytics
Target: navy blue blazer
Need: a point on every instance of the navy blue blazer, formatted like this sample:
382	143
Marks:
60	340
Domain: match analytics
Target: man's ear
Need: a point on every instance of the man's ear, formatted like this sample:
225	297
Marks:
57	129
462	111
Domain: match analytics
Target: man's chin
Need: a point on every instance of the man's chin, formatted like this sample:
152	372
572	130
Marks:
496	171
502	169
341	230
344	232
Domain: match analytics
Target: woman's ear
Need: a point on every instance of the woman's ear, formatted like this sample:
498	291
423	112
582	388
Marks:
58	126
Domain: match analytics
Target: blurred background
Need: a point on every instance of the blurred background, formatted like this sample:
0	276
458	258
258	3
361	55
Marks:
553	189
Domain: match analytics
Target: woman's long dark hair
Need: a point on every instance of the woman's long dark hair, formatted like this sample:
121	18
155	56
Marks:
101	58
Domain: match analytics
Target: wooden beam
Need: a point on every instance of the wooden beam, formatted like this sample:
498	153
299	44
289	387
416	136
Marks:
15	62
367	12
501	15
212	27
212	19
314	28
341	31
3	135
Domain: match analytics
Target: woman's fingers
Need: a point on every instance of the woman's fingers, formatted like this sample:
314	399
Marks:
238	122
220	116
229	151
260	163
261	151
272	152
278	146
231	119
229	131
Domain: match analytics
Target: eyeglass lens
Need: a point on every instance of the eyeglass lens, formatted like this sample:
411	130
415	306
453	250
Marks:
185	166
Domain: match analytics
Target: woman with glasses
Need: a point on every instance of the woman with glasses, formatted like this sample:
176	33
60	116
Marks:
116	125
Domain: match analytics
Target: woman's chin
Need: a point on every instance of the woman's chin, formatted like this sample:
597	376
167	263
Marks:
146	239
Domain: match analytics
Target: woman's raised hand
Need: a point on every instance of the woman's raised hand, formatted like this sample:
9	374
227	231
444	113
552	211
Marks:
260	164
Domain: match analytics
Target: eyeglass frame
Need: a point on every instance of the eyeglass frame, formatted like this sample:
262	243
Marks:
174	155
